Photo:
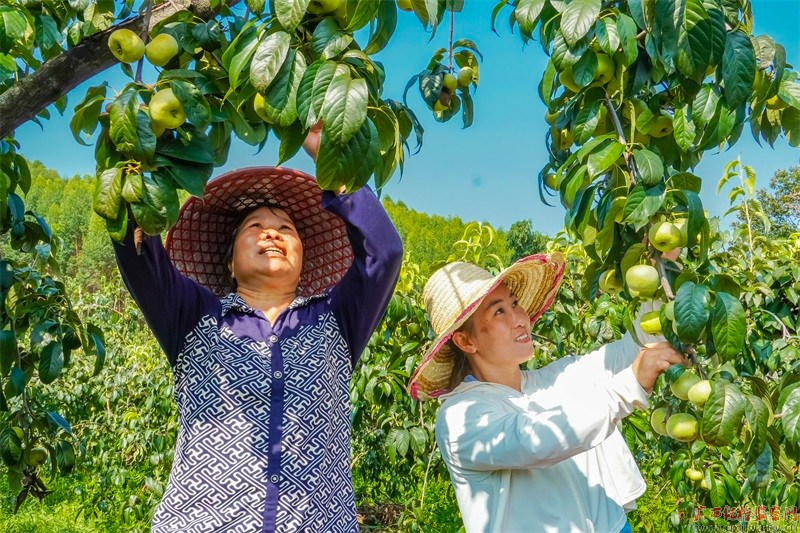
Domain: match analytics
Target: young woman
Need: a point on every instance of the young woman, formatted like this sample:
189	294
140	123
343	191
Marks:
267	298
530	451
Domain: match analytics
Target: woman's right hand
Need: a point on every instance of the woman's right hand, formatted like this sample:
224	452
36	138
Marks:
653	360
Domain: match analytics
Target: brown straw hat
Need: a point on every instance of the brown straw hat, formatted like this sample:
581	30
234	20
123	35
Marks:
198	241
456	290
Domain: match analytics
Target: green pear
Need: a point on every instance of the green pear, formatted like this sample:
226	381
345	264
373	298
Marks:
126	46
404	5
161	49
664	236
651	323
450	82
699	392
464	76
643	279
660	127
609	282
320	7
682	427
166	110
683	226
658	420
680	387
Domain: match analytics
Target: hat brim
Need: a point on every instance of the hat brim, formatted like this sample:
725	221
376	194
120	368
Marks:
198	242
534	280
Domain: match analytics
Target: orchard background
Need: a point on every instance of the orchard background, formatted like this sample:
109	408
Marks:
636	92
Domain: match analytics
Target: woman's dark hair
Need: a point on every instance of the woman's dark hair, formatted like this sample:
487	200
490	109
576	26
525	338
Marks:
237	224
461	366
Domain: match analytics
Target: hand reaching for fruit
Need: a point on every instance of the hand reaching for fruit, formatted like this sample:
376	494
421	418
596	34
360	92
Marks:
653	360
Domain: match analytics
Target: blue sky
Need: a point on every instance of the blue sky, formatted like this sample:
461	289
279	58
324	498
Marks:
486	172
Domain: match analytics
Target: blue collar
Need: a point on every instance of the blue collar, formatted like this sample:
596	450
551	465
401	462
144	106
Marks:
233	302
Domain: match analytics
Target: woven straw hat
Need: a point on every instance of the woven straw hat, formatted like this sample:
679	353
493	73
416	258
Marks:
198	241
454	292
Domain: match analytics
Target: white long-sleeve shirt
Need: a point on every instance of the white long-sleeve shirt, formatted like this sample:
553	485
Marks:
549	458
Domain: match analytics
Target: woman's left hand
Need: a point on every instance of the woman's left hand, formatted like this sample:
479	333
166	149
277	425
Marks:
311	144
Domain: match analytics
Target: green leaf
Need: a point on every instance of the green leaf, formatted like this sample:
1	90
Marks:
194	103
578	18
790	122
759	472
117	229
527	14
586	121
757	415
718	33
722	413
281	96
159	193
51	361
728	326
10	445
87	112
98	347
292	139
607	34
8	349
694	41
268	58
692	308
683	128
344	108
328	41
704	106
650	166
194	147
790	92
192	177
738	68
290	12
313	89
384	29
627	36
124	129
364	11
108	193
600	161
790	416
241	59
642	203
350	165
583	71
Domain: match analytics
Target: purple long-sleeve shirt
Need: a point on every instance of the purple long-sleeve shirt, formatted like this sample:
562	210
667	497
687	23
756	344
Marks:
264	428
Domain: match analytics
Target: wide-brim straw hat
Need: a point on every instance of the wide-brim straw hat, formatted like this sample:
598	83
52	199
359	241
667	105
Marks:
454	292
198	242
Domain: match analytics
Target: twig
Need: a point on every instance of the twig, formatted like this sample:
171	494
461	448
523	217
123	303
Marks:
425	479
620	137
452	23
786	333
145	35
691	353
542	338
662	272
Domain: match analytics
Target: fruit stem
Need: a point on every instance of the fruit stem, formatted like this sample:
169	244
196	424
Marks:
452	23
145	35
691	353
620	135
662	272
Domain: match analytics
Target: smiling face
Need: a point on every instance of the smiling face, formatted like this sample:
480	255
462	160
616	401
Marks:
500	332
267	251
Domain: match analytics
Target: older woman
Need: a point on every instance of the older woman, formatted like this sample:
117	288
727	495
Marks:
267	298
537	450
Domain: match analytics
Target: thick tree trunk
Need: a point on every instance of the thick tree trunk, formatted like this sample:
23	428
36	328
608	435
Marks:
58	76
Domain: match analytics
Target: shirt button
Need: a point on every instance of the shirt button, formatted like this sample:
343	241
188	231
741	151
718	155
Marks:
278	374
274	479
273	339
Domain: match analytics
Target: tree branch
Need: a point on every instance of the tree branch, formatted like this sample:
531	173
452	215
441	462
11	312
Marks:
58	76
